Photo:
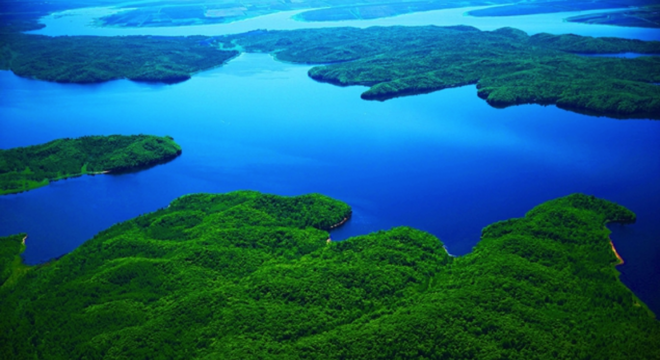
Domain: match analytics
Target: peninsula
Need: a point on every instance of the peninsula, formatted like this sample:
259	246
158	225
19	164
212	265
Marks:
508	66
248	275
27	168
91	59
645	17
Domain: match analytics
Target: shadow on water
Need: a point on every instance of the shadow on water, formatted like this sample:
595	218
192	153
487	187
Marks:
138	169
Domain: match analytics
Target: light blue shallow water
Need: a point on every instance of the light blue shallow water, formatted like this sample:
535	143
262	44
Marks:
444	162
83	22
625	55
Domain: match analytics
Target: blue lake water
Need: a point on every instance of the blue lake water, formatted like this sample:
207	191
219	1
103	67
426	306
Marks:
444	162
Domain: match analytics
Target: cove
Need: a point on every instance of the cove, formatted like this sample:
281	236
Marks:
444	162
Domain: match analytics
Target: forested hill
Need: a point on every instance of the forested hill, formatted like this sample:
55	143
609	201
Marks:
27	168
92	59
508	66
246	275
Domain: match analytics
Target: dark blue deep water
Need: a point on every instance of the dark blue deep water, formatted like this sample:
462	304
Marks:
444	162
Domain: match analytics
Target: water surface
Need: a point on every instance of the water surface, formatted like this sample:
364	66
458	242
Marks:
624	55
82	22
445	162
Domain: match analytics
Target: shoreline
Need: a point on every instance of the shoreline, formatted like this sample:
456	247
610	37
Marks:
342	222
24	240
621	262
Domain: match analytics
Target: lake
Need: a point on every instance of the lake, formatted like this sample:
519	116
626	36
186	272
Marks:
444	162
81	22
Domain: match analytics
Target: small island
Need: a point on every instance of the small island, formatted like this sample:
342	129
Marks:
27	168
246	275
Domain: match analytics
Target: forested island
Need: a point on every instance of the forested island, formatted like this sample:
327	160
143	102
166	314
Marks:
508	66
27	168
89	59
247	275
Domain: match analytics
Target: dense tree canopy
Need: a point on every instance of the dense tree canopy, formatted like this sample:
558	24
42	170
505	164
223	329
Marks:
91	59
247	275
30	167
508	66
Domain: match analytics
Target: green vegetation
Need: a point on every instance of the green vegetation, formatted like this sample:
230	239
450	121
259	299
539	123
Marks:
201	12
27	168
88	59
555	6
365	10
508	66
246	275
11	266
23	15
648	16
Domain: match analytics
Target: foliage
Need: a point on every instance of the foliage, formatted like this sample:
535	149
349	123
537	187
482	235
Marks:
26	168
363	10
647	16
247	275
89	59
555	6
23	15
10	248
508	66
198	12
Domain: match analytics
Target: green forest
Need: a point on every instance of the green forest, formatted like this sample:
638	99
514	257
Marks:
90	59
508	66
246	275
647	16
27	168
534	7
21	15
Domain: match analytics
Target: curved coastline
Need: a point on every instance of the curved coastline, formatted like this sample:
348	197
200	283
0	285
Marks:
23	167
620	262
342	222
